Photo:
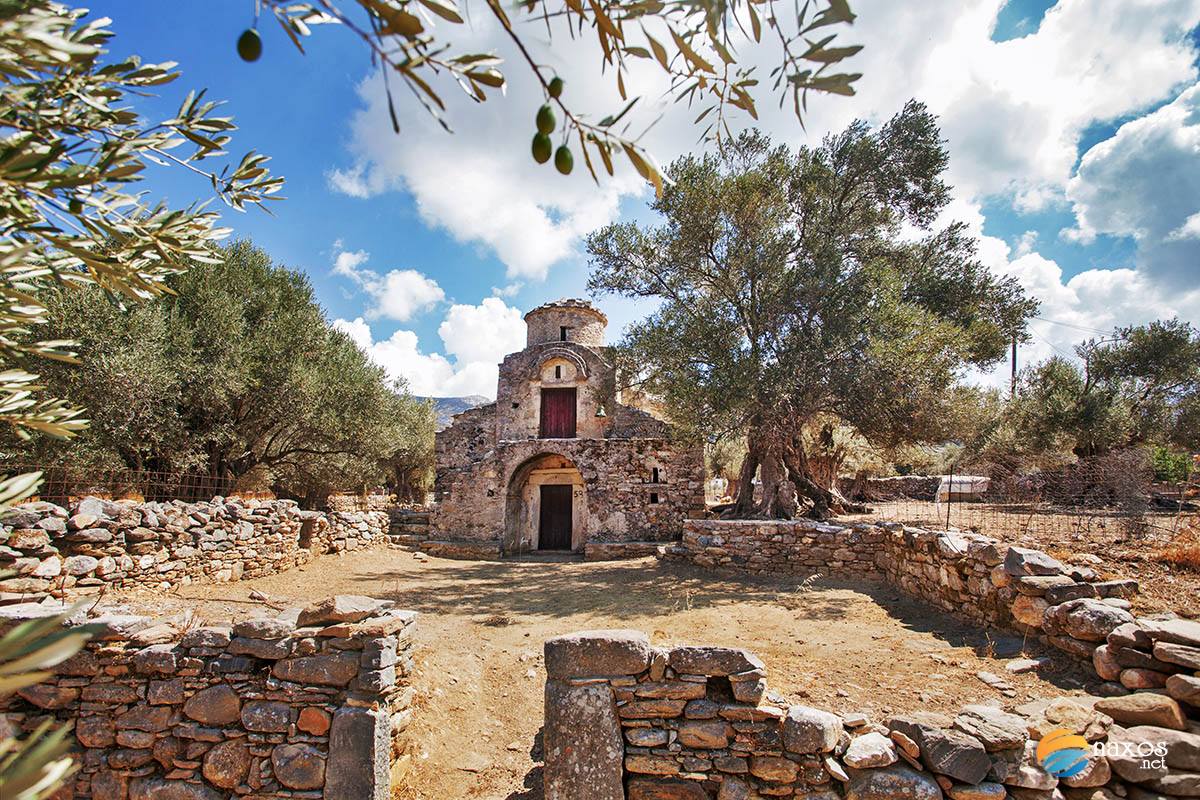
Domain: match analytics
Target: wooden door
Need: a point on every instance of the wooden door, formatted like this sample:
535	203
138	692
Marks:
554	517
558	414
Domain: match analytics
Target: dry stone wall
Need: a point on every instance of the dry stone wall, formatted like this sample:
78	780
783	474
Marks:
625	720
313	703
95	543
964	573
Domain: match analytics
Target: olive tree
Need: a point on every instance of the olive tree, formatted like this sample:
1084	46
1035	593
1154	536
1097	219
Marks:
803	291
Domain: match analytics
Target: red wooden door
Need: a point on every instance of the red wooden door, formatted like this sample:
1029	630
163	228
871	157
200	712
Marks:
558	414
554	518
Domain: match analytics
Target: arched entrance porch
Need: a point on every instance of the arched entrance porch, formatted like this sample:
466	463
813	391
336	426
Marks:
545	506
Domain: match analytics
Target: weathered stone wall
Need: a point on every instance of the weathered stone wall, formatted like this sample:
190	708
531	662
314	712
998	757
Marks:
360	502
627	721
96	543
964	573
312	703
913	487
585	322
617	481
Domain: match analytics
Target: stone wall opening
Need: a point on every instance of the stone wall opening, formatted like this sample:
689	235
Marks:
523	517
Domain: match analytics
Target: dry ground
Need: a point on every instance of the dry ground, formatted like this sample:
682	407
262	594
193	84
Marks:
842	646
1125	550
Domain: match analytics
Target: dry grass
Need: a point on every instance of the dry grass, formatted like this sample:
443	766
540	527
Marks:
1184	549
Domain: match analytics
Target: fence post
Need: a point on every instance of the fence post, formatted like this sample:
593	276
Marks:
949	496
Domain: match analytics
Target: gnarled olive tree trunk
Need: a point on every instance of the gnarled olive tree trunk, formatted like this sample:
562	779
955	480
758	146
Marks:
777	456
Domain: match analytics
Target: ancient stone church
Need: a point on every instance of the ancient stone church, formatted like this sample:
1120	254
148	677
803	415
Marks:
558	461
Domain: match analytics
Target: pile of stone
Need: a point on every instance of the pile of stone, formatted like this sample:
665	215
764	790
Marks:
311	703
627	720
53	551
1160	655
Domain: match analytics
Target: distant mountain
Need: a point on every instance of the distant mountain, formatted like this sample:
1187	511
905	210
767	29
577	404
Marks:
447	407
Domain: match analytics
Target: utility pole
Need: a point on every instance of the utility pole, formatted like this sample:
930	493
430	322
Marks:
1012	383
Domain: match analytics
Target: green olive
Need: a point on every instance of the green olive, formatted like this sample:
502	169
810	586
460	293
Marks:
564	162
556	87
249	45
546	123
542	148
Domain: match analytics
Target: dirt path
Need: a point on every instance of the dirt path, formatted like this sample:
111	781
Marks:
479	673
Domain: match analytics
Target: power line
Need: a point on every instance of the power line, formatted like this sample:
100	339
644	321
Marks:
1083	328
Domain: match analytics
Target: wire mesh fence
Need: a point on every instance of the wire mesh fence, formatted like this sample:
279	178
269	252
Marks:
1114	495
62	484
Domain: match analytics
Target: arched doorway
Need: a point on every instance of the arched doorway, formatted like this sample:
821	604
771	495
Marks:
545	506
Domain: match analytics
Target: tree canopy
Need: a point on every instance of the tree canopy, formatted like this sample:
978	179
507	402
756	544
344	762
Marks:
236	373
1140	386
796	286
71	155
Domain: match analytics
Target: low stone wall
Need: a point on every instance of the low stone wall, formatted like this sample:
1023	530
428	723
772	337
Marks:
964	573
627	721
360	502
312	703
912	487
96	543
616	551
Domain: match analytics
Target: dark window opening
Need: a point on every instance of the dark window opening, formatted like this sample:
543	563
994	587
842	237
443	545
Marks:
516	405
654	497
562	333
654	475
557	372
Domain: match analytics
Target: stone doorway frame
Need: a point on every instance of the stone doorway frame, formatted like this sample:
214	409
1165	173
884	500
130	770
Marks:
522	502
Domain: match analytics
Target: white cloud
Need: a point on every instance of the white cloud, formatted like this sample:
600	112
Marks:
486	332
1144	182
476	337
357	329
400	294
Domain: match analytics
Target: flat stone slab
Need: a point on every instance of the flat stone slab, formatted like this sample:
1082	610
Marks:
713	660
593	653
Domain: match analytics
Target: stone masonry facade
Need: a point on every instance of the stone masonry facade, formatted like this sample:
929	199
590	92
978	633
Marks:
628	721
312	703
629	482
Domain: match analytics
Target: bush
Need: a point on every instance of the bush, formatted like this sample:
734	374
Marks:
1170	466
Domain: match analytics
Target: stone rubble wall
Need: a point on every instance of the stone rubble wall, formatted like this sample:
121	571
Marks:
313	703
963	573
910	487
628	721
97	543
360	502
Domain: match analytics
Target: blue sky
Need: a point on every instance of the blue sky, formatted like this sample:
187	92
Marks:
1073	131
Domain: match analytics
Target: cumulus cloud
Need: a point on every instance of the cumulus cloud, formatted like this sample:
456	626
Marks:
1144	182
399	294
475	337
